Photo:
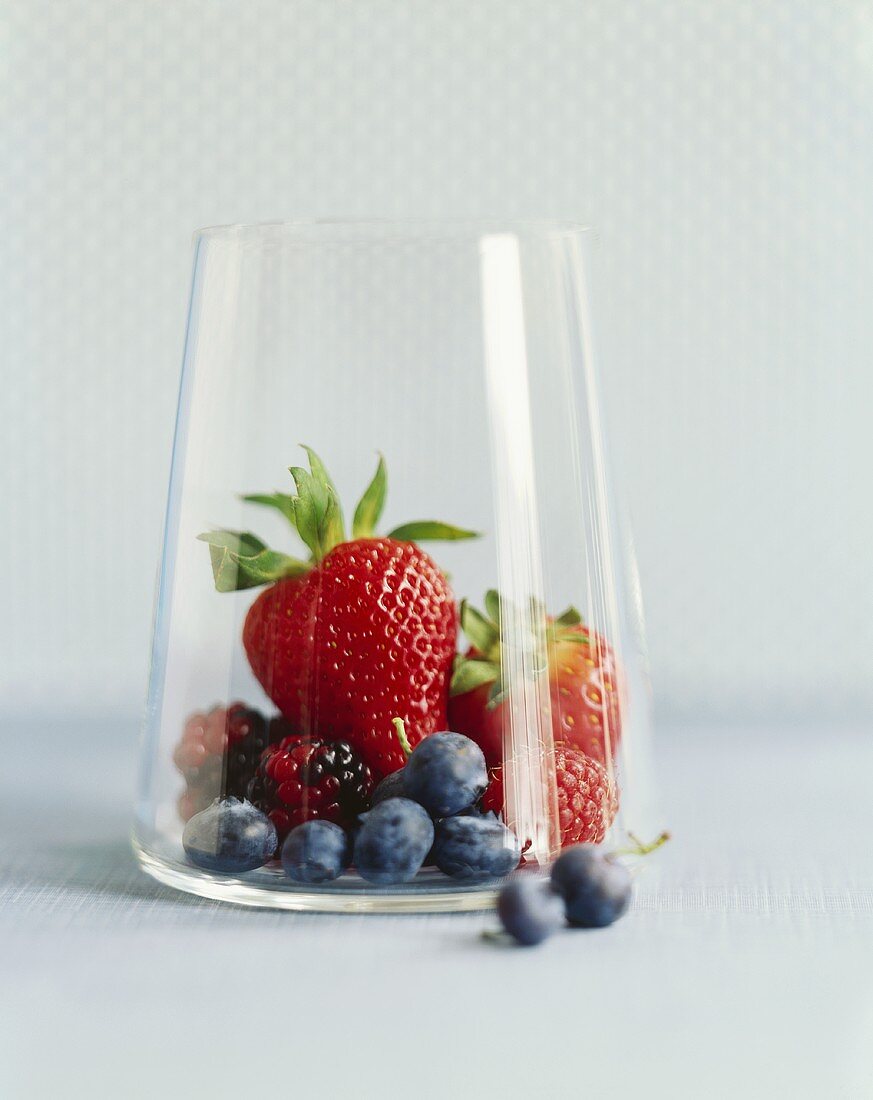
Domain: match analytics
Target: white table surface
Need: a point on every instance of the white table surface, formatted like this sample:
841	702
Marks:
745	968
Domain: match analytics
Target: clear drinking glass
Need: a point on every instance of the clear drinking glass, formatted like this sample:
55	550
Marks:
461	354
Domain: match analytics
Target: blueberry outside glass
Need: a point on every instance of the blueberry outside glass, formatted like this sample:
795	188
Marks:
389	517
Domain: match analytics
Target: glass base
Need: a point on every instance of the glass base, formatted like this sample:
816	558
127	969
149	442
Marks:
429	892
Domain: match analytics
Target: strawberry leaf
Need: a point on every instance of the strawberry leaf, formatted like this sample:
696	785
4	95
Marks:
243	542
309	506
470	673
570	617
332	533
493	606
571	637
481	633
429	530
282	502
369	509
319	470
496	695
317	510
324	482
240	560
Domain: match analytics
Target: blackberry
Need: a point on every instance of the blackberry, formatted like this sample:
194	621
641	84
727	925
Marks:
301	780
219	753
248	735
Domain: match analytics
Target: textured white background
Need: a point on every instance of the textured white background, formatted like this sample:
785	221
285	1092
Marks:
723	150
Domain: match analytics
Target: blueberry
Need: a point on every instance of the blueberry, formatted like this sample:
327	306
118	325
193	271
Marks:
446	773
393	841
473	849
530	910
390	787
316	851
596	888
230	836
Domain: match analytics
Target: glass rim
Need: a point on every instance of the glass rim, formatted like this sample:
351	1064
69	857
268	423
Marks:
387	229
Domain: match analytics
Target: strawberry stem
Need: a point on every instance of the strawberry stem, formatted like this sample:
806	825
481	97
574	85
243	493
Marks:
638	848
495	935
400	730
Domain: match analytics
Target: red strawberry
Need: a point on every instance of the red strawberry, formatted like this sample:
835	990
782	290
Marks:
367	636
470	714
362	633
584	683
587	796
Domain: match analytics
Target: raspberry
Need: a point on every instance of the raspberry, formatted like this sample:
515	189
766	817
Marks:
299	780
587	796
219	753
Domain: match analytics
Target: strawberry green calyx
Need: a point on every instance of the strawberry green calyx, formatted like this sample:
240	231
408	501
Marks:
369	509
483	665
241	560
484	631
430	530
